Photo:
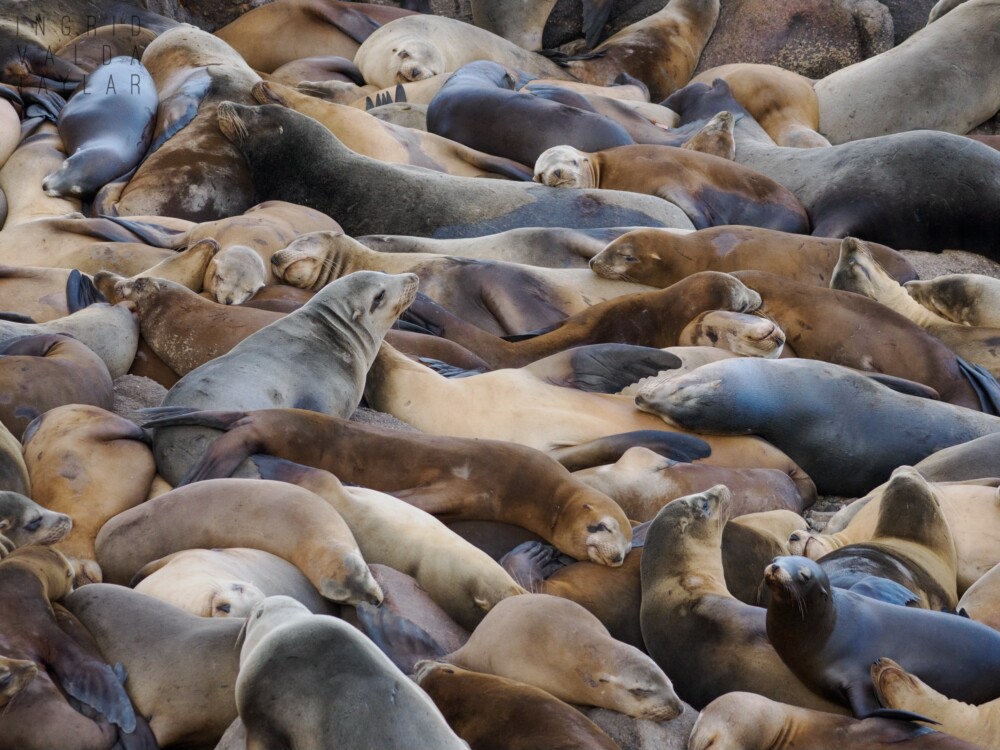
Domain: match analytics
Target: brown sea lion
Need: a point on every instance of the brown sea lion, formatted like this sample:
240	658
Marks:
48	370
532	718
92	465
658	258
566	643
720	645
710	190
293	524
584	524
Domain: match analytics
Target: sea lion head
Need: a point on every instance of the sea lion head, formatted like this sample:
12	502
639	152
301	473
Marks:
415	60
15	675
952	297
739	333
234	275
25	522
636	254
699	517
234	599
65	181
235	119
591	526
267	616
796	583
313	259
50	566
565	167
737	721
353	582
857	271
808	544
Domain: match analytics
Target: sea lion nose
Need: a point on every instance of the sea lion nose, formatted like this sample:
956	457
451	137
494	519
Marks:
617	558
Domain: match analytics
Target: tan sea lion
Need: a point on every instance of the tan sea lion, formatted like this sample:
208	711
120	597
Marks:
967	298
693	627
15	675
13	472
739	333
92	465
22	174
981	601
566	640
658	258
783	102
294	524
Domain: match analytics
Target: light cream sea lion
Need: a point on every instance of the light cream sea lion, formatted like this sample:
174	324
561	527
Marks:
315	680
739	333
92	465
981	601
783	102
967	298
288	521
897	688
888	93
464	581
558	646
10	131
420	47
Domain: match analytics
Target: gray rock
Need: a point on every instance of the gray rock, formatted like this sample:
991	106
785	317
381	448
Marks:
638	734
133	392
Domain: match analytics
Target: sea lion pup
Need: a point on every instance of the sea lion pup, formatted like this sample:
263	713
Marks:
315	358
425	202
967	298
787	402
391	143
642	482
313	680
464	581
710	190
198	579
421	47
858	272
91	464
897	688
158	644
972	512
719	646
501	298
452	478
532	719
46	371
659	258
829	638
662	50
911	545
745	721
24	522
291	522
981	601
647	319
783	102
566	663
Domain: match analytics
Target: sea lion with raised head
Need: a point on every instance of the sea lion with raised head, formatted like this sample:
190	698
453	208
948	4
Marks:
24	522
967	298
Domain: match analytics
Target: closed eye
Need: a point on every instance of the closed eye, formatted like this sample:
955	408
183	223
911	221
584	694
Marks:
594	528
377	301
33	524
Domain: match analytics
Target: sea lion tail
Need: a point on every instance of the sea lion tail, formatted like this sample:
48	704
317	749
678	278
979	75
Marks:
984	384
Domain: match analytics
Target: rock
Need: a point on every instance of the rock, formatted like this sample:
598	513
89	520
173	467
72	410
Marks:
133	392
908	16
929	265
811	37
638	734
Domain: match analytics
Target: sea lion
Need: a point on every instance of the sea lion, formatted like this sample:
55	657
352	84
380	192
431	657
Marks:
13	472
110	331
897	688
274	35
44	371
331	340
791	415
207	582
970	460
391	143
720	645
661	50
454	478
739	333
642	482
423	202
501	298
15	675
92	465
420	47
854	102
299	527
21	178
234	276
843	198
829	638
981	601
315	678
567	639
159	644
858	272
318	68
532	717
10	130
744	721
523	23
647	319
967	298
710	190
123	36
659	258
24	522
460	579
105	127
941	7
749	543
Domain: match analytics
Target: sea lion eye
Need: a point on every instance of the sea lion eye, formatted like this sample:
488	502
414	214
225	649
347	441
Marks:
33	524
378	300
704	505
227	608
805	574
403	54
5	679
629	258
595	527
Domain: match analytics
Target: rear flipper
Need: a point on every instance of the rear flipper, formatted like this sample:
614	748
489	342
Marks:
607	450
884	590
402	640
595	15
531	563
81	292
985	385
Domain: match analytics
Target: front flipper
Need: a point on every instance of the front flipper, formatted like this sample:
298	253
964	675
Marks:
884	590
864	704
595	15
81	292
610	368
531	563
